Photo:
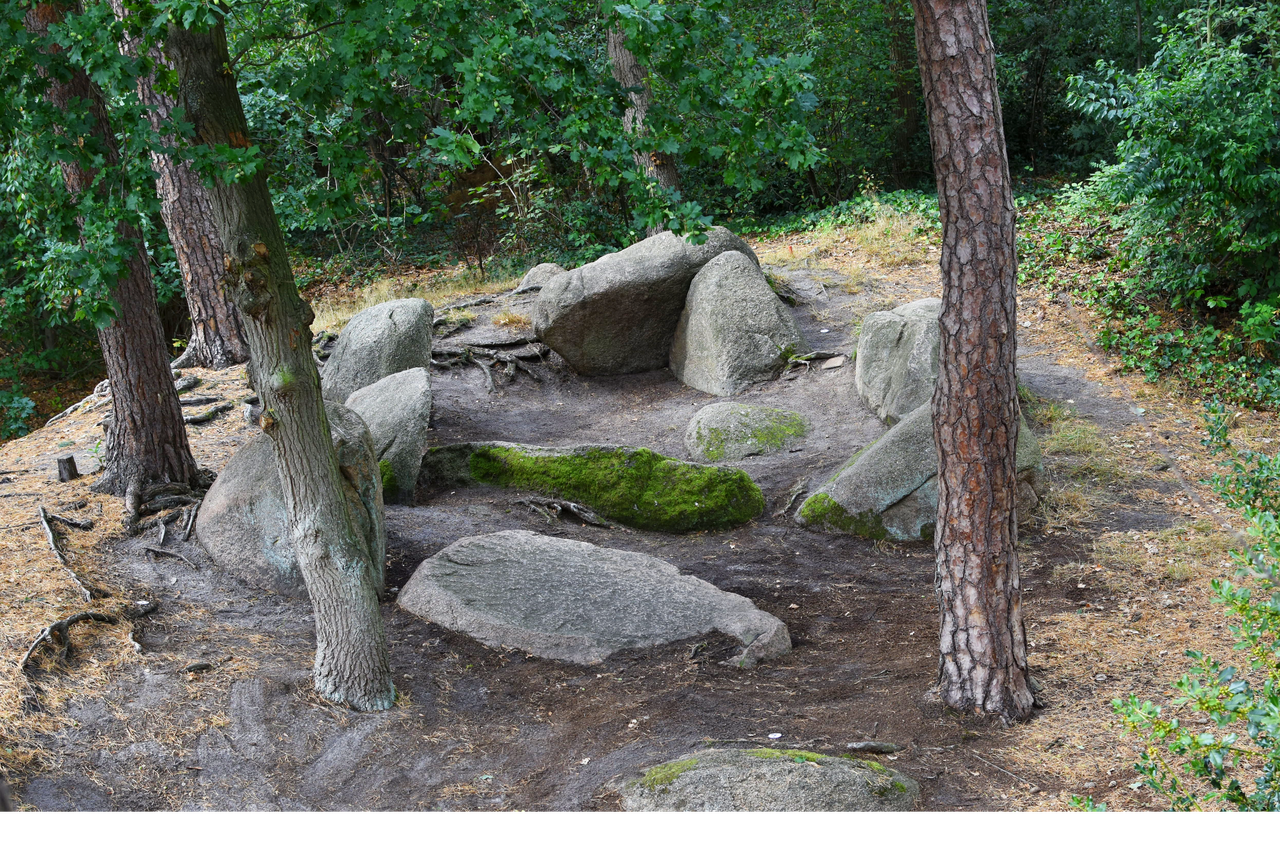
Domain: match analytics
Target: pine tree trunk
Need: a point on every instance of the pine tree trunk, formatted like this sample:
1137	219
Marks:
146	438
352	664
217	336
983	662
627	70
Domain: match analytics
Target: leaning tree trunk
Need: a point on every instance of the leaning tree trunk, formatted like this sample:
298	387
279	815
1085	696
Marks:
336	560
983	663
146	437
627	70
217	336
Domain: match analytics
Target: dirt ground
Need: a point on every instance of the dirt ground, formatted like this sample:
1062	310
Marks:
217	711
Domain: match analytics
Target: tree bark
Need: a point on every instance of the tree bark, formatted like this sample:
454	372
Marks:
657	167
217	336
336	560
146	438
983	659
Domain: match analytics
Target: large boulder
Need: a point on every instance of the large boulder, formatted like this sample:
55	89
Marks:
890	488
769	779
728	431
635	487
897	363
537	277
618	314
382	340
572	601
397	410
733	331
244	526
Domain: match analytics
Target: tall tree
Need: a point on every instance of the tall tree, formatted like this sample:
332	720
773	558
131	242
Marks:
336	560
146	437
657	167
217	336
983	656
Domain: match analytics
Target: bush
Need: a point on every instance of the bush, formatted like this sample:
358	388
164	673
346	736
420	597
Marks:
1243	703
1198	165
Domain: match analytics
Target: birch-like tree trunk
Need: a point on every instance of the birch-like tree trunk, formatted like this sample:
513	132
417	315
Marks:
336	560
983	655
146	437
627	70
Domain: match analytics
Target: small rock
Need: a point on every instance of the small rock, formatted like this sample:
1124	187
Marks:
834	363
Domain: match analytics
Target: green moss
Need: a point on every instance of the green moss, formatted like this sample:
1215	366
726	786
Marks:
787	755
636	487
899	786
664	774
390	487
764	430
877	768
820	511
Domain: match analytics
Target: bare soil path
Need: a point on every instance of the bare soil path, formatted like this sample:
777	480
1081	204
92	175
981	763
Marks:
217	710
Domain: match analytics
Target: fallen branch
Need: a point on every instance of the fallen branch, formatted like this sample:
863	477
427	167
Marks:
83	525
51	538
171	555
208	415
59	633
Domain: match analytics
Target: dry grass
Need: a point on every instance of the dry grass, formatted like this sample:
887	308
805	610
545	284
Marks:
512	320
890	241
334	311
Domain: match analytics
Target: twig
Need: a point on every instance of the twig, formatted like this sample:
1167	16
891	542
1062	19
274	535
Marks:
191	520
59	633
51	538
1003	770
171	555
208	415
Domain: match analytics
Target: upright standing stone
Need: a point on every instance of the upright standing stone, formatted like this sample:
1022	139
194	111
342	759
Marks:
391	337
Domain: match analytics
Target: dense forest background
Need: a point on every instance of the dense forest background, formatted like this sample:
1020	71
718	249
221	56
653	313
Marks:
404	135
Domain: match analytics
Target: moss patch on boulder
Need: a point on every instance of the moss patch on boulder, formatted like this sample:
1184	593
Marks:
665	774
820	511
727	431
635	487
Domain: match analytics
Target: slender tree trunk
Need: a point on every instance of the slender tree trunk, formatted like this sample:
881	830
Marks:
983	662
336	560
627	70
146	438
905	94
217	336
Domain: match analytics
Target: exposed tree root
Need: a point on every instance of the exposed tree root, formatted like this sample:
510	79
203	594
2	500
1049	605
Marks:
563	509
208	415
59	635
447	356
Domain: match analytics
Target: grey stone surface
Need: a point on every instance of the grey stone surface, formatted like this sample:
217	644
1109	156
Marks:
890	488
382	340
769	780
618	314
897	362
733	331
537	277
729	431
243	523
397	410
568	600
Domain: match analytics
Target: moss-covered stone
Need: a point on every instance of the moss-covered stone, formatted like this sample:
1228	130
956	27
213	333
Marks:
820	511
635	487
728	431
665	774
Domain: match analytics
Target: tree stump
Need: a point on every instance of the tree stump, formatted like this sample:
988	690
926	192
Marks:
67	469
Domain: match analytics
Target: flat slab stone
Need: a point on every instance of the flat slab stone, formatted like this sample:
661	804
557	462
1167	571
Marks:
768	779
573	601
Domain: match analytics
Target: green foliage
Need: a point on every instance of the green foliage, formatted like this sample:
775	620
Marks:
1197	168
1191	766
15	410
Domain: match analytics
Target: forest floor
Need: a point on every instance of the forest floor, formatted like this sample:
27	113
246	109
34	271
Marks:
214	707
